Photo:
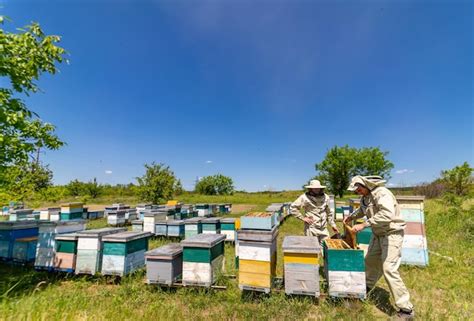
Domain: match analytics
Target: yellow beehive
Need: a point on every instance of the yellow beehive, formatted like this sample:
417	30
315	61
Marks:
172	202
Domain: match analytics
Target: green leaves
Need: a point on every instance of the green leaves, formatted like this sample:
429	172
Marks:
215	185
458	179
158	184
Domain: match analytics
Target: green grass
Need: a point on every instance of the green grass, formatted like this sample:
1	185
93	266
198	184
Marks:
444	290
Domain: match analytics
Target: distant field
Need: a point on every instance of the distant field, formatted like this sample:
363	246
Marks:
444	290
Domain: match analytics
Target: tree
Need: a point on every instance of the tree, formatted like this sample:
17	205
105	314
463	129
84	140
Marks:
341	163
75	188
23	180
458	179
93	189
24	57
215	185
158	184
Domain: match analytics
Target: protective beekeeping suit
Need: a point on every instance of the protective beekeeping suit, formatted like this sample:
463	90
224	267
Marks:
381	208
317	212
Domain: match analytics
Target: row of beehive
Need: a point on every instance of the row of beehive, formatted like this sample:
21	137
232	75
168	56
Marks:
66	212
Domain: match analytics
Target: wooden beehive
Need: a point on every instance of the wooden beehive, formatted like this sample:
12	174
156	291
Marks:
211	225
258	221
66	252
116	217
137	226
344	269
10	231
24	249
150	219
46	246
45	213
124	253
161	228
164	265
89	249
71	211
301	265
203	256
19	214
415	246
203	210
175	228
192	226
228	229
130	215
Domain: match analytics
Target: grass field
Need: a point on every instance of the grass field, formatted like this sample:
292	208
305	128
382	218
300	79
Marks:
444	290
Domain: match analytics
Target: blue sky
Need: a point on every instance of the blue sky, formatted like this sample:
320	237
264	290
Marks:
255	90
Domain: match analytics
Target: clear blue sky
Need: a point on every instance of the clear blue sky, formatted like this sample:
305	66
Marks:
255	90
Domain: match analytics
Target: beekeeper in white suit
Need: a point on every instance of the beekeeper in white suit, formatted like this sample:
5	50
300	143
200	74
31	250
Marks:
317	212
381	208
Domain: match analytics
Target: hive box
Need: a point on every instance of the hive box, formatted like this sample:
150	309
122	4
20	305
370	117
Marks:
211	225
258	221
124	252
151	218
203	256
137	226
344	269
192	226
301	265
19	215
89	249
66	252
203	210
46	247
228	228
116	217
10	231
130	215
161	228
71	211
45	213
24	249
164	265
175	228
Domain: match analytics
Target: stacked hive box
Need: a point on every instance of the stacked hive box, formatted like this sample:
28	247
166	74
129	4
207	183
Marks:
301	259
45	213
85	212
211	225
203	256
192	226
228	228
414	248
24	249
92	215
257	251
89	249
116	217
175	228
203	210
339	215
46	248
66	252
277	210
151	217
19	215
130	215
141	208
71	211
10	232
228	207
137	226
363	239
115	207
344	269
55	216
161	228
124	253
164	265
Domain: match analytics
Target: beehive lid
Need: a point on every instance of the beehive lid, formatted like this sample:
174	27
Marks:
211	220
101	231
131	210
175	222
203	240
301	244
257	235
17	225
154	213
167	251
126	236
144	205
419	198
67	236
78	204
228	220
193	220
51	209
23	211
161	222
117	212
61	223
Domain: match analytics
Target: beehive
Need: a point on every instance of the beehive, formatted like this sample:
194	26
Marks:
45	213
19	215
203	210
116	217
130	215
12	230
415	247
258	221
141	208
363	239
71	211
257	259
344	269
137	226
192	226
66	252
124	253
211	225
175	228
164	265
228	207
228	229
161	228
150	219
203	256
89	249
24	249
85	212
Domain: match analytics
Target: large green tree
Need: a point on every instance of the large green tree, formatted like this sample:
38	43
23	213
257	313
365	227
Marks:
24	57
341	163
215	185
458	179
158	184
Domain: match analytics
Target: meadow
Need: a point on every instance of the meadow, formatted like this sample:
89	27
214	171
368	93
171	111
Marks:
442	291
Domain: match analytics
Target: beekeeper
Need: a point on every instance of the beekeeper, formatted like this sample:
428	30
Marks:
381	208
316	211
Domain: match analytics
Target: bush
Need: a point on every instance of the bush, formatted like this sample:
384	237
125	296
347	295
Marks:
215	185
430	190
